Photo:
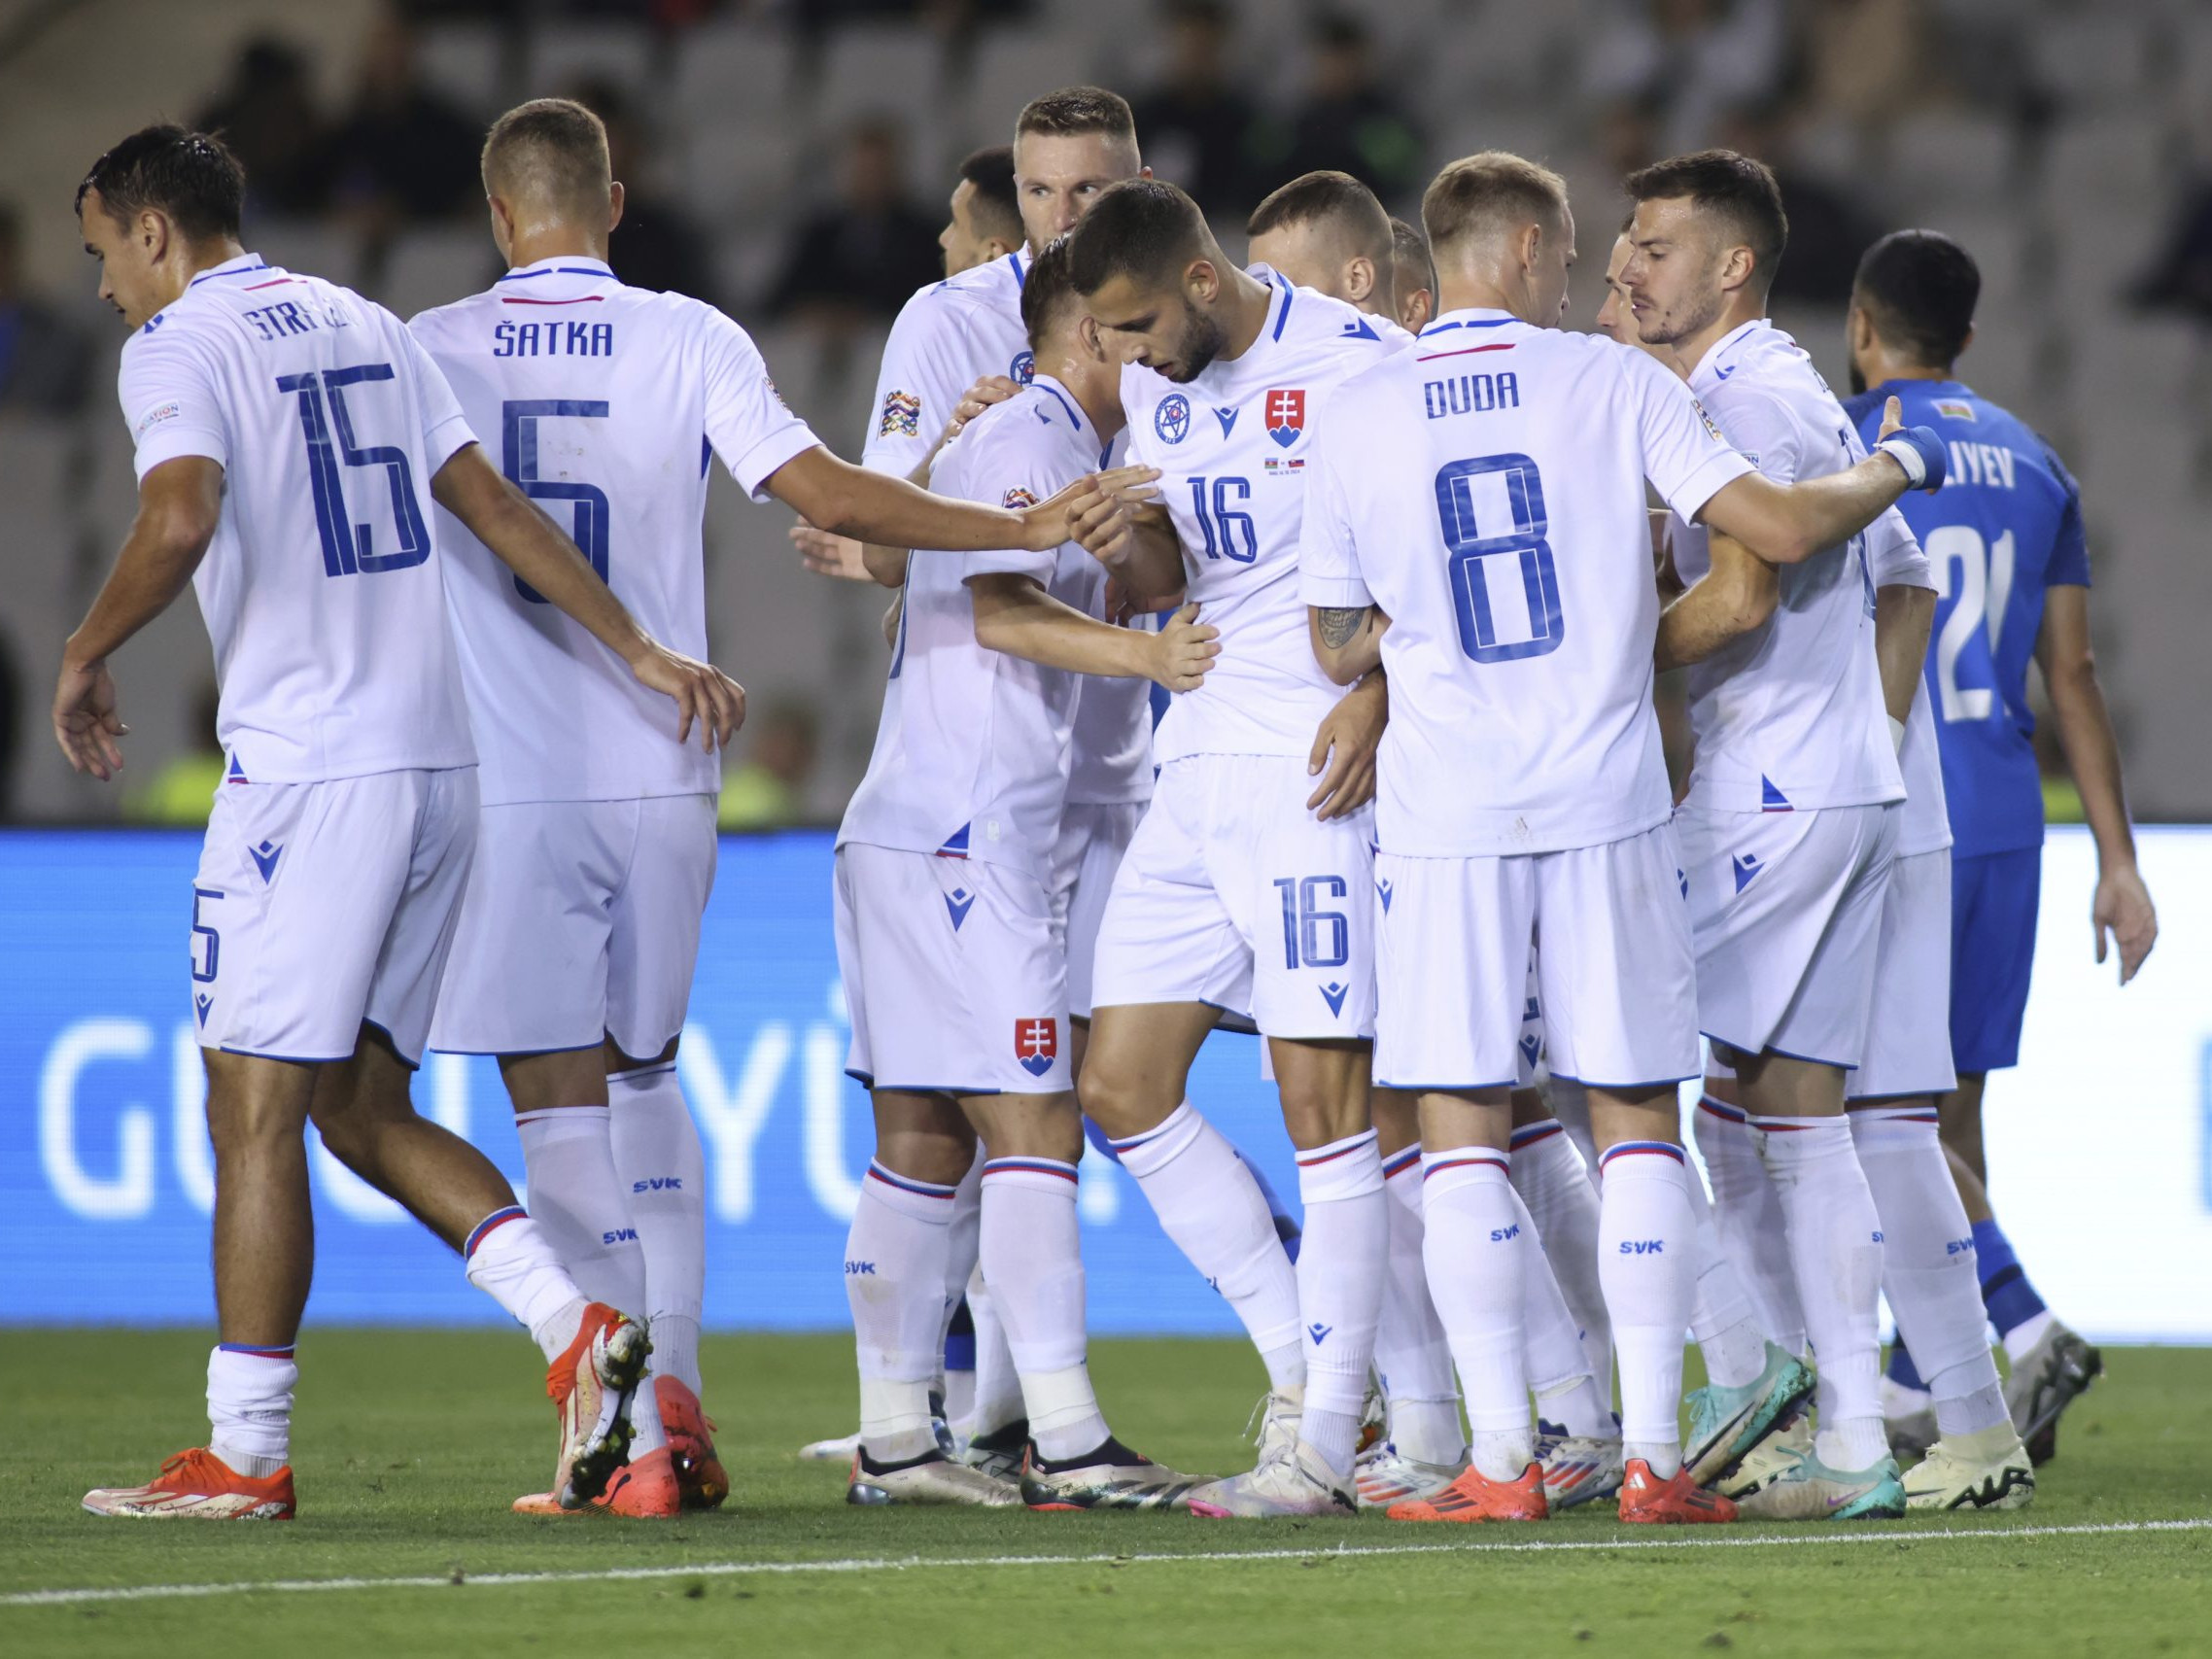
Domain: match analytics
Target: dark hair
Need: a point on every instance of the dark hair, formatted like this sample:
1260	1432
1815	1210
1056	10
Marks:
190	176
1075	110
1339	199
1921	289
996	205
1737	187
1048	290
1411	249
1489	192
1143	228
551	148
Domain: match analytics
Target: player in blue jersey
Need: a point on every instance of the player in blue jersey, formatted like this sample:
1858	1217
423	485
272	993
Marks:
2011	567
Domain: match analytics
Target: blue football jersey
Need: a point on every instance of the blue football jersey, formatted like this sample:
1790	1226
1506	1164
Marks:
2005	527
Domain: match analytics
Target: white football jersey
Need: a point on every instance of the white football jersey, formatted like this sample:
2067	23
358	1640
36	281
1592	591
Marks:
605	404
322	587
973	750
1486	490
950	335
1894	556
1791	714
1232	446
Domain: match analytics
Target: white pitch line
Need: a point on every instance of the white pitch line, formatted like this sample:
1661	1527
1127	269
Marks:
1816	1539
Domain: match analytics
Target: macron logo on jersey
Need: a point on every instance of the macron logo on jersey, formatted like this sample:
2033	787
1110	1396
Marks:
1036	1044
1747	867
1227	419
1286	417
265	858
957	902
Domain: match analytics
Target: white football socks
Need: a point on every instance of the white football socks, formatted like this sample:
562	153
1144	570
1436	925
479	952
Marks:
1411	1355
1835	1253
894	1281
1722	1322
1032	1258
1555	1187
1209	1204
963	1253
249	1406
1344	1241
1557	1360
1928	1267
997	1388
569	1155
1748	1218
662	1167
514	1264
1647	1260
1476	1232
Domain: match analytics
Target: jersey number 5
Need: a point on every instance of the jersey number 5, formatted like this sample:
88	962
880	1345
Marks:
518	459
347	548
1474	555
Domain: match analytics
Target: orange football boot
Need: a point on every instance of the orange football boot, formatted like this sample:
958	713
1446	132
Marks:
1472	1498
1647	1501
200	1486
699	1472
644	1489
591	1386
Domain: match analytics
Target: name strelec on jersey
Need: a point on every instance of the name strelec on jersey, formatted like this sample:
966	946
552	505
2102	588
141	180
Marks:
286	318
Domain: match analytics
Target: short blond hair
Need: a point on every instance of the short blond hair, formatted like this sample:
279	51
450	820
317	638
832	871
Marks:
1492	194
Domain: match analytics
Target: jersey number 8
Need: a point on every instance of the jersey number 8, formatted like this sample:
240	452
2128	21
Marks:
1523	489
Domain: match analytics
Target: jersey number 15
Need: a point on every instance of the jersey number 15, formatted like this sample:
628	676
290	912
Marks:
328	424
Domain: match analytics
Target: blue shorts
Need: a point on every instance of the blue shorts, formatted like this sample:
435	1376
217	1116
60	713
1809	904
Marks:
1994	899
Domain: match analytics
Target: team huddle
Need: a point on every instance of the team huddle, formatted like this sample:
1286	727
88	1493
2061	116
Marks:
1376	528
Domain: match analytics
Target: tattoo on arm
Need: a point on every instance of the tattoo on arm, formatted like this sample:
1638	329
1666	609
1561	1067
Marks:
1339	628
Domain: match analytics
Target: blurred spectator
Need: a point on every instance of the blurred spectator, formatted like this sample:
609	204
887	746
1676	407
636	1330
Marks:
44	358
1867	60
859	256
2179	278
1197	129
183	792
1828	228
769	789
656	246
268	116
1690	58
402	153
1348	122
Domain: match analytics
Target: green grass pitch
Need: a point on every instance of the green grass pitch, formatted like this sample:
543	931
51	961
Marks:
411	1443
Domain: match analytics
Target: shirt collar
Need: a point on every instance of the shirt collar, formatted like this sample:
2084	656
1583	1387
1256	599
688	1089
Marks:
1727	342
240	266
1065	399
1468	316
562	264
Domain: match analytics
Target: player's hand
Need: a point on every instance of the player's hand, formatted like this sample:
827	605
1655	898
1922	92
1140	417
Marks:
1919	451
1346	745
1095	505
703	693
86	720
990	389
1183	650
2122	908
828	555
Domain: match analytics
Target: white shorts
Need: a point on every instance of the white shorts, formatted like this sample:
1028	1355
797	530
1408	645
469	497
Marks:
1908	1035
1092	840
955	974
580	923
1232	894
1786	909
1613	986
320	908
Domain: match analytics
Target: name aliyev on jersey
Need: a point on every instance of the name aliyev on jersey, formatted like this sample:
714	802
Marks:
948	336
621	383
238	370
1231	448
1523	679
973	752
2005	529
1791	714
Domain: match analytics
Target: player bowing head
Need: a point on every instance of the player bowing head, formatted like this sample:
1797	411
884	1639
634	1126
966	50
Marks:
1708	228
985	218
1413	277
1155	279
1503	221
1327	230
1070	147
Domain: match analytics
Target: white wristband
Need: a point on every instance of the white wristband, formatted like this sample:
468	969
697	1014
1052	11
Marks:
1897	734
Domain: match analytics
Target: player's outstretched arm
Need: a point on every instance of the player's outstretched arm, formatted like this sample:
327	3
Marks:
1135	539
504	519
1732	599
1347	643
1016	615
1904	615
2122	908
851	500
1788	524
178	504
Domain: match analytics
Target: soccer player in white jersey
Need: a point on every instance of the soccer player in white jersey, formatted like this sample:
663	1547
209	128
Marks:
1244	888
1327	232
287	434
1790	822
1477	526
1413	279
954	953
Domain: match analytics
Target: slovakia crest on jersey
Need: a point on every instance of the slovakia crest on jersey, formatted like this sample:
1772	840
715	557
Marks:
1172	419
1286	417
1024	368
1036	1045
